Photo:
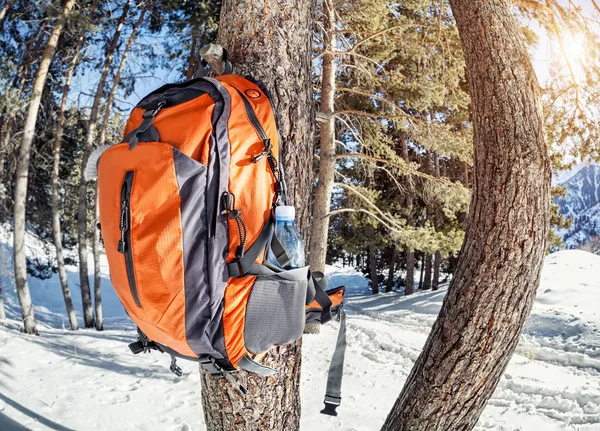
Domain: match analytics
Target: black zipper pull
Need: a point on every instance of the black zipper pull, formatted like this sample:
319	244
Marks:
228	204
123	227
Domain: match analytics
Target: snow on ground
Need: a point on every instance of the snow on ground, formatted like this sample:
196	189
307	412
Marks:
49	305
89	380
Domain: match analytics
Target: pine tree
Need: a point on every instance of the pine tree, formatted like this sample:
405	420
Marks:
381	89
56	229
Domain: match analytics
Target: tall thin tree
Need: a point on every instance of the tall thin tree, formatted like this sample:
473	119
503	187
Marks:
499	267
327	154
56	229
99	321
82	209
22	174
389	284
409	254
437	257
271	41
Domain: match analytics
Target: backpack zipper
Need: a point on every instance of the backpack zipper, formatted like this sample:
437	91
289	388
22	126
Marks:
267	151
228	204
252	117
124	246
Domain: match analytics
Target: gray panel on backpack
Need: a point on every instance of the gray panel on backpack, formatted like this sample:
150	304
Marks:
191	179
274	313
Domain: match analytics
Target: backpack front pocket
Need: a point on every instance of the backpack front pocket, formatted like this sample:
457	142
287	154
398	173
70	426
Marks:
153	210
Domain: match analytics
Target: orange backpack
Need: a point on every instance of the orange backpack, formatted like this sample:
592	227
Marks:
186	213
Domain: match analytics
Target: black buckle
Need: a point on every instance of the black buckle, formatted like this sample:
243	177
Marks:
331	403
175	369
215	370
238	262
211	366
137	347
152	113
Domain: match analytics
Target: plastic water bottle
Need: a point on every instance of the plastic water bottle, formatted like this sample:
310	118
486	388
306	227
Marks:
288	237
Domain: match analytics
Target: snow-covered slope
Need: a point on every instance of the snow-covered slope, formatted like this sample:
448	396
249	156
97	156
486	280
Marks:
89	380
49	305
583	204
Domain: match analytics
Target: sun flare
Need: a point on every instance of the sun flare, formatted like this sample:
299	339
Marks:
573	53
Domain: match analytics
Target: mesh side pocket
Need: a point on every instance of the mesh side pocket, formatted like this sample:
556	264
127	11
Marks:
274	314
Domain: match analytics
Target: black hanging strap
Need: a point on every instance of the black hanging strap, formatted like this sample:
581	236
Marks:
333	393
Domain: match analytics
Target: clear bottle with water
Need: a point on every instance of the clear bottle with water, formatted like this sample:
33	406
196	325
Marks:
288	237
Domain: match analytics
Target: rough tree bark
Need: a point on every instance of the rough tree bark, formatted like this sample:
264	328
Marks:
56	230
373	268
390	280
409	255
84	282
498	271
327	156
23	173
271	41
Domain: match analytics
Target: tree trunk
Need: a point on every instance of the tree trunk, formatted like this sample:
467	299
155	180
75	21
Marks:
428	267
390	280
86	297
3	11
466	174
373	268
56	230
20	264
409	256
273	46
409	284
327	159
99	323
437	260
499	268
193	61
422	269
437	263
